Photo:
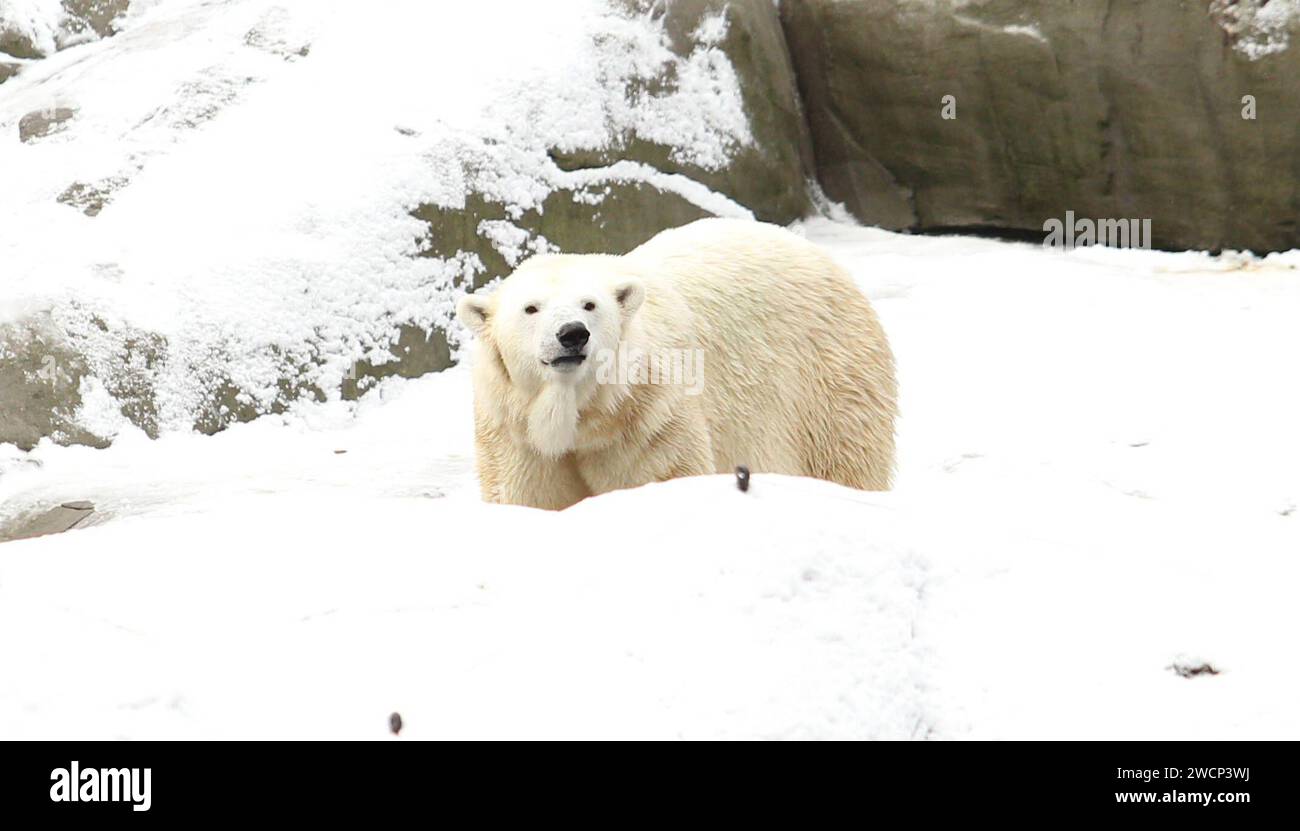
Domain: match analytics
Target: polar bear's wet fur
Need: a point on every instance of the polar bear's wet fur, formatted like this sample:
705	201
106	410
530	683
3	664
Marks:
797	376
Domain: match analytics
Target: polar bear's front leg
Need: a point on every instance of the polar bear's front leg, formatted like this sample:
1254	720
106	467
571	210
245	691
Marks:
513	473
541	482
489	445
664	444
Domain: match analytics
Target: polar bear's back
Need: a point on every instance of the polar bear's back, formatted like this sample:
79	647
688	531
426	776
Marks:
798	375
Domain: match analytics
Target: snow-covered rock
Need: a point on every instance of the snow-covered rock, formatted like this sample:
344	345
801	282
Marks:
34	29
233	205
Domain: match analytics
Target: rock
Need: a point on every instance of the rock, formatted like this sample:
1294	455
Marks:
770	177
40	393
91	198
227	403
16	44
416	352
129	374
41	123
1111	110
56	520
97	16
8	70
44	370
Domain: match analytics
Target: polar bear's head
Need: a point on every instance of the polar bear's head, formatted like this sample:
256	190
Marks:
554	315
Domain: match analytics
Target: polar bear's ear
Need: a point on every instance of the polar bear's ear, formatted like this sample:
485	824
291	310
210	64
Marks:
473	311
629	292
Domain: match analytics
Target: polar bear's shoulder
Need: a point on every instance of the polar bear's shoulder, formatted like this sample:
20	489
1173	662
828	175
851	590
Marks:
717	234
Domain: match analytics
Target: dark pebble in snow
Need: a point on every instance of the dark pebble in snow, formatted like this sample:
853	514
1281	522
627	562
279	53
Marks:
742	478
395	723
1193	670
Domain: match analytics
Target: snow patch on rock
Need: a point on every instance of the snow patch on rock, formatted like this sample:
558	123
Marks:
1258	28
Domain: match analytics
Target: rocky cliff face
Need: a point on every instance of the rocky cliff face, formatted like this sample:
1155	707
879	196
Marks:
1107	108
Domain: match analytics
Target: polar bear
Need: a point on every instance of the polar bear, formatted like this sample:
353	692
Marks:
717	344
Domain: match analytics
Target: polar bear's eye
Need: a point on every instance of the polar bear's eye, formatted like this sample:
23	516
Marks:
530	310
589	306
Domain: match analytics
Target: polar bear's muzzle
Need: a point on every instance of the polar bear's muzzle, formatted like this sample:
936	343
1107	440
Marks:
572	338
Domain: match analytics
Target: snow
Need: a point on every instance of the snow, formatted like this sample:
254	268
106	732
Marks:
1019	30
181	116
1259	28
1097	487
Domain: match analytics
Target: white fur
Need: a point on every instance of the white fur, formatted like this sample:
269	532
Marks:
797	375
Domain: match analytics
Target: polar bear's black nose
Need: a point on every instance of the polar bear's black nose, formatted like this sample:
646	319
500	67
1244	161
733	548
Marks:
573	335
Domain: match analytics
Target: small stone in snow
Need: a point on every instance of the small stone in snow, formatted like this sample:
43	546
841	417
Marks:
742	478
1190	669
395	723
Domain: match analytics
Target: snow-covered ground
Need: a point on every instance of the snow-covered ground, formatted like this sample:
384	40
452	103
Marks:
1098	483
